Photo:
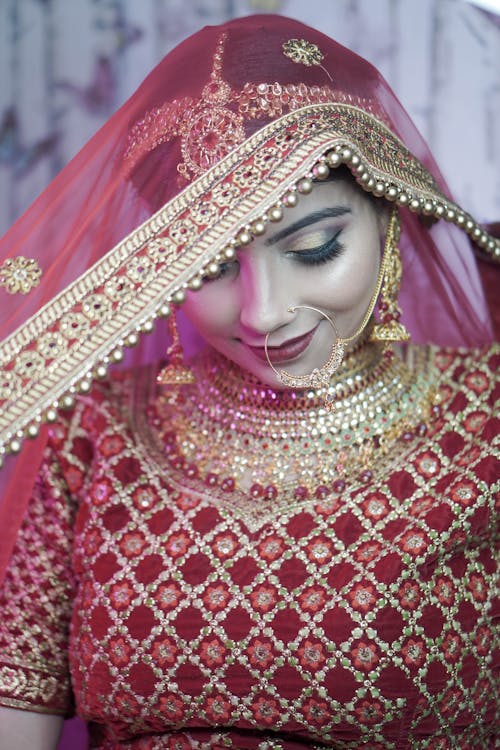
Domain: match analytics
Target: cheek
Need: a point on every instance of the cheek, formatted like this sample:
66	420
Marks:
351	280
211	311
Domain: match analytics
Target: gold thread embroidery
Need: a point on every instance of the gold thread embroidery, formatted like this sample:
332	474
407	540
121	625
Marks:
301	51
105	328
20	274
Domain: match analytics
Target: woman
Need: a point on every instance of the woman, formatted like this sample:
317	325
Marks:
289	542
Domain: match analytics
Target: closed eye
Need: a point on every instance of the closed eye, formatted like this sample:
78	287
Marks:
320	254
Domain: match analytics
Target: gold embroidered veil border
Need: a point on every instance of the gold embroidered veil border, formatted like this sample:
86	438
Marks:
85	328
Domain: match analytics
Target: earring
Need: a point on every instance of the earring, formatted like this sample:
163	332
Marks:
319	376
176	372
390	328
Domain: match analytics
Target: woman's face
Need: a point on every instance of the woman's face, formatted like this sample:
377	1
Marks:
325	253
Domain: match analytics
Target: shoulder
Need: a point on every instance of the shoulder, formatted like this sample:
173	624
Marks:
106	411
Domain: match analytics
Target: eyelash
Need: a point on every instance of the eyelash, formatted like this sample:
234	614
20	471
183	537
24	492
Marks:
315	256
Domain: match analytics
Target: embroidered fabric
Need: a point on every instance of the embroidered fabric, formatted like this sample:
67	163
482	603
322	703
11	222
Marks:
361	615
90	263
79	290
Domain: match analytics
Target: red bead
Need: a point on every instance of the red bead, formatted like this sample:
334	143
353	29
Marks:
178	462
321	492
256	490
338	485
301	493
228	484
366	475
211	479
191	471
271	492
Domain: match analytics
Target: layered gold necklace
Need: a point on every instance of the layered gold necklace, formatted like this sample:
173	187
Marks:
231	431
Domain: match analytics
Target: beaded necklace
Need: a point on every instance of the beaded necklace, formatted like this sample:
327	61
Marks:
230	431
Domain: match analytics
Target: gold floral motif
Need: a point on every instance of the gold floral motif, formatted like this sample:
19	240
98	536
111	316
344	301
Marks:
29	364
74	325
225	194
51	345
182	231
20	274
140	269
266	157
204	213
119	288
96	307
301	51
161	251
10	384
246	176
27	684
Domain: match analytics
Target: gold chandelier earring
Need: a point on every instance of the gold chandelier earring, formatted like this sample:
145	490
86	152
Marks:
389	327
176	371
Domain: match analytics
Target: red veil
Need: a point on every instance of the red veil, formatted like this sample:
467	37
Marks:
216	135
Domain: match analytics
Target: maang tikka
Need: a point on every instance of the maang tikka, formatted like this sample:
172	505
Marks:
176	372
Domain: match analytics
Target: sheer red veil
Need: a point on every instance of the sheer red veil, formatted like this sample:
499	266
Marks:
218	132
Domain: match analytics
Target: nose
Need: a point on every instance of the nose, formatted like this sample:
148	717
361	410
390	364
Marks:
264	296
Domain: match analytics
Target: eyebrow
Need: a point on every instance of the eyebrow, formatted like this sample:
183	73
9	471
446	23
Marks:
306	221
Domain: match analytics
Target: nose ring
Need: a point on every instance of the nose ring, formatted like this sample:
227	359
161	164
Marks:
320	376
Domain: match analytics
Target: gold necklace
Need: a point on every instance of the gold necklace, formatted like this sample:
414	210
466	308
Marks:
230	430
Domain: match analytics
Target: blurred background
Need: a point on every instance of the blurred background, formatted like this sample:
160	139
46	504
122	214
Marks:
66	65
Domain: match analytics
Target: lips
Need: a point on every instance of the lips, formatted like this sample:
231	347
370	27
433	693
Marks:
289	350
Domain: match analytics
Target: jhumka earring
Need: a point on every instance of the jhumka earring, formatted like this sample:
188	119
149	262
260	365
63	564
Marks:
389	328
320	375
176	372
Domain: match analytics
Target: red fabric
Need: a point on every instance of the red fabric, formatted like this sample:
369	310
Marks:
95	201
363	617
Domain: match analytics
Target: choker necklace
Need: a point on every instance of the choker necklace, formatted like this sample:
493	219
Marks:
228	430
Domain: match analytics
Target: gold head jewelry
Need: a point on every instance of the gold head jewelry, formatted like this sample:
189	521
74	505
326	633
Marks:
210	126
390	328
304	52
176	371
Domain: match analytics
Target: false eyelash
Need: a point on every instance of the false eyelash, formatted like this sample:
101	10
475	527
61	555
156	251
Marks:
316	256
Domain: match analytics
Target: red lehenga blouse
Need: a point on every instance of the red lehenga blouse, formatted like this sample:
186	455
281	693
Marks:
339	604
